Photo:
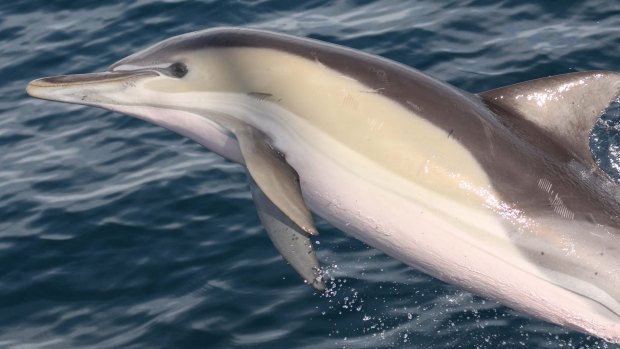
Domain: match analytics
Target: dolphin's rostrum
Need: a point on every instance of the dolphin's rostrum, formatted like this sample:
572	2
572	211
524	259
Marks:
495	192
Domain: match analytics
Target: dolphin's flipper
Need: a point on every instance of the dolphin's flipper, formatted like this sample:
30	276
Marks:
277	179
293	244
565	106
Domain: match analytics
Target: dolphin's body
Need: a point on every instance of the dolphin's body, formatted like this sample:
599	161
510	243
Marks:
496	192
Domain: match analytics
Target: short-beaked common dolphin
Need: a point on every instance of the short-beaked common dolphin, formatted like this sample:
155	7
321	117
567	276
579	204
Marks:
495	192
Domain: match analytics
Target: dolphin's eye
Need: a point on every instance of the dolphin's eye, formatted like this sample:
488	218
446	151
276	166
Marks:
178	69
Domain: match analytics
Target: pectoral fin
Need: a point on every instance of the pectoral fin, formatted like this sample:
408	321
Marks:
281	208
276	178
293	243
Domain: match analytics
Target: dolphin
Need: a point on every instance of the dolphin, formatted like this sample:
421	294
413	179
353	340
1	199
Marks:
494	192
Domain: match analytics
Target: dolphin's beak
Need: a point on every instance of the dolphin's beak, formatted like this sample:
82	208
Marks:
84	88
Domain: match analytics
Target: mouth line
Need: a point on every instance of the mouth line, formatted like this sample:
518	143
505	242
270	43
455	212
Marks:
88	79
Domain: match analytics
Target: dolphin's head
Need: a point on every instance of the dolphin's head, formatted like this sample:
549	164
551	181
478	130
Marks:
167	67
209	61
177	83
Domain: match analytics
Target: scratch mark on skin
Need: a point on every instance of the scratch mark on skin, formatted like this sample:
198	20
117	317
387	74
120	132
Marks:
261	96
350	101
414	106
555	200
376	90
374	124
317	61
381	76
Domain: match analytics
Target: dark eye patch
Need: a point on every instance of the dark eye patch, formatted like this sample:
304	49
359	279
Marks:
178	69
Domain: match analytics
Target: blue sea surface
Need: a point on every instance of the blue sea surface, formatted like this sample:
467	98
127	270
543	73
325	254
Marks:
115	233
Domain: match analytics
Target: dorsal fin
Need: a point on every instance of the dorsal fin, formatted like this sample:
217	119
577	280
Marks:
565	106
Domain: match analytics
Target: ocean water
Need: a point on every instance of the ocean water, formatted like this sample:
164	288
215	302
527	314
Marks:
118	234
